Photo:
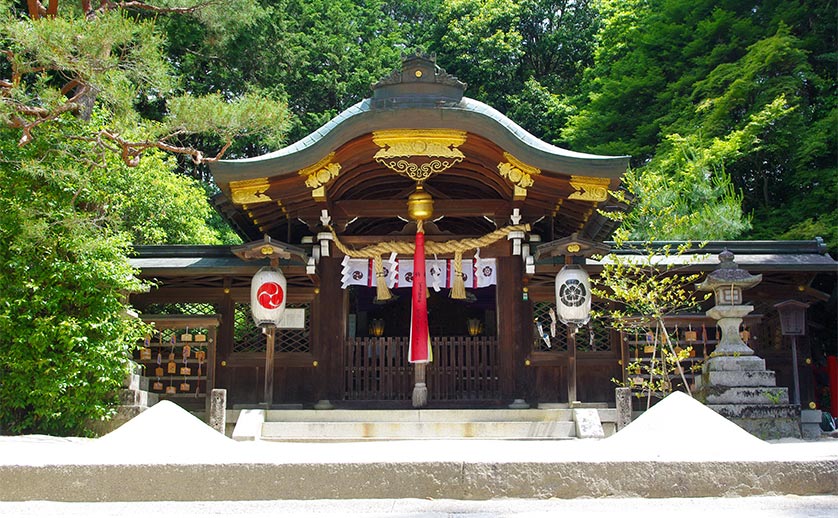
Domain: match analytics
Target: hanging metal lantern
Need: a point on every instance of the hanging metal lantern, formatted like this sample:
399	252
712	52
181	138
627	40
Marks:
573	295
268	296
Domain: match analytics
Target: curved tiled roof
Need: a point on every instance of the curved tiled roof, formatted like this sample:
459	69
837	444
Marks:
418	96
467	115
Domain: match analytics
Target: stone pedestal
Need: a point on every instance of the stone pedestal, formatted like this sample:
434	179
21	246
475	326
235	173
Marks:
729	319
622	396
742	390
134	398
217	410
810	424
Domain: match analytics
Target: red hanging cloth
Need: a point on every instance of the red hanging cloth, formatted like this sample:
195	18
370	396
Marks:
420	351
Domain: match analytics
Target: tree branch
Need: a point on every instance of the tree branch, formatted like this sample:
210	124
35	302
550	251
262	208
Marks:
36	9
40	115
131	151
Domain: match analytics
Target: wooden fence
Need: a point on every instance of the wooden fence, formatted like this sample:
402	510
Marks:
463	368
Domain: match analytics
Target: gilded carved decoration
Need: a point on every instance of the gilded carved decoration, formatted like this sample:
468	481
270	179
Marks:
320	174
519	173
589	188
250	191
436	151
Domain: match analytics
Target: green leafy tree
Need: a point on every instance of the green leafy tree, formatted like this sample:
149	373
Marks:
320	55
705	72
64	324
82	175
685	192
523	57
647	286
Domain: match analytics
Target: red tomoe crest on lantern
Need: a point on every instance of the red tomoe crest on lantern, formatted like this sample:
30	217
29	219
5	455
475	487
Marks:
267	296
270	295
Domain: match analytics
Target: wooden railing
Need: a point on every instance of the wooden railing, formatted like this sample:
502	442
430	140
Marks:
463	368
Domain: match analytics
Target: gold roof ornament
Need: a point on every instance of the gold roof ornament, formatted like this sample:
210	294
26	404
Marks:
270	249
589	188
250	191
320	174
419	154
519	173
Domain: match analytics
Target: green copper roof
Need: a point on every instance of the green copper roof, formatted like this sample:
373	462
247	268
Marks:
420	96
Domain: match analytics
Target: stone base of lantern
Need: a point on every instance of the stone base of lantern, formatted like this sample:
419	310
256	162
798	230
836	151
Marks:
742	390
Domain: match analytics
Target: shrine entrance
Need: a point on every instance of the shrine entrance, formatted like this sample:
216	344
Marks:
464	347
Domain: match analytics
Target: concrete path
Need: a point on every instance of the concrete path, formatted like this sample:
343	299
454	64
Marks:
680	450
152	470
763	507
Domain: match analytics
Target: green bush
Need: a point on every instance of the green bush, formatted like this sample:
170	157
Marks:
65	333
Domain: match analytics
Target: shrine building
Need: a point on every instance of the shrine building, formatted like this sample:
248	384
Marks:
502	212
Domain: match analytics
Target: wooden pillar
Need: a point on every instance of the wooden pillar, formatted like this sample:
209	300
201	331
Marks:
331	330
511	319
525	344
269	366
571	367
224	338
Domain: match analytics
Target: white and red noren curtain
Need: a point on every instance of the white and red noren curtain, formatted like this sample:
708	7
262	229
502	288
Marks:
438	273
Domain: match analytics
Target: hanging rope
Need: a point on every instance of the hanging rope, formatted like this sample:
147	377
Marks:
446	247
456	247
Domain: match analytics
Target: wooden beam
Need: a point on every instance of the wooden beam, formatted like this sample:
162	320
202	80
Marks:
393	208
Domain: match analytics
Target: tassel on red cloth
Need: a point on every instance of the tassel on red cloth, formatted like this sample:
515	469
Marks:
419	337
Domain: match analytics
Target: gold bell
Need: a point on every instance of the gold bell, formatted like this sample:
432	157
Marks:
420	205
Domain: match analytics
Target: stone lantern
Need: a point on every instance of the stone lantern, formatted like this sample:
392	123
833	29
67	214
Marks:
734	381
727	283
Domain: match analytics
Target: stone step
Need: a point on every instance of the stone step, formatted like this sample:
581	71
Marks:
735	363
575	404
746	395
387	430
465	415
737	379
134	382
129	397
764	421
757	411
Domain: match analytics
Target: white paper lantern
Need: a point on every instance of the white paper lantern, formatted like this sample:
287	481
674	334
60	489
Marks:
268	296
573	295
